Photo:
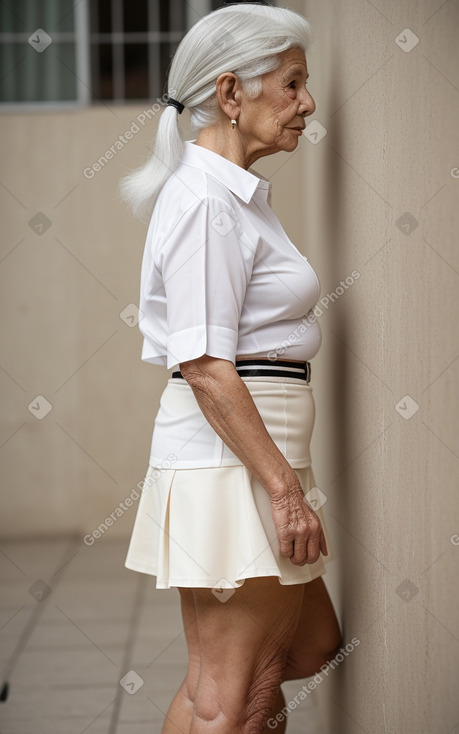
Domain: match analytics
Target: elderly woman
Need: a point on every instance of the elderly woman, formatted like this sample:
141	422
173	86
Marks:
226	302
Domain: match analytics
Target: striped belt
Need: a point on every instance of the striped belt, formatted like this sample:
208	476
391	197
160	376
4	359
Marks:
269	368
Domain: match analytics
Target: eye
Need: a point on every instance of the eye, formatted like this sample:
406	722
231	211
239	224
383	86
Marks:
293	84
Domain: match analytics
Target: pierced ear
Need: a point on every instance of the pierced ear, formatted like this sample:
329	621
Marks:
227	93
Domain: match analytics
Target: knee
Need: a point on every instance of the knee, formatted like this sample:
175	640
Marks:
330	660
218	698
331	654
329	642
313	662
239	704
190	682
338	646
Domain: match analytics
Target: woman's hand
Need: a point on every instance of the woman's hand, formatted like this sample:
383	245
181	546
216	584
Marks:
299	529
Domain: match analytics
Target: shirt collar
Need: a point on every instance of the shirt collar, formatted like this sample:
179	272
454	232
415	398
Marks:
244	183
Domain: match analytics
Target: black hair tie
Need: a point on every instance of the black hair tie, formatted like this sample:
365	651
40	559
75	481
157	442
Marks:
178	105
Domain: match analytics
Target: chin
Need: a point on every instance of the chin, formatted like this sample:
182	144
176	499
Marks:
290	145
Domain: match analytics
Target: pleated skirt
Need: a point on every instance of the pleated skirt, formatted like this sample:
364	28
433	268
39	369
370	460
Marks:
212	527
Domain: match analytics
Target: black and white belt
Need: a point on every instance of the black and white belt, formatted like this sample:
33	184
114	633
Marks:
268	368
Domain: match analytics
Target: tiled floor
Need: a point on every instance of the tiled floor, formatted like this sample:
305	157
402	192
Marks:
73	622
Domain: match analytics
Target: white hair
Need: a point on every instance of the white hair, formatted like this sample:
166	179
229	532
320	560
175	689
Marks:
244	38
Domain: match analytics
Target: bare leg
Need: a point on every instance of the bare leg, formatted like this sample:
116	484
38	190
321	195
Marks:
316	640
244	643
180	712
278	706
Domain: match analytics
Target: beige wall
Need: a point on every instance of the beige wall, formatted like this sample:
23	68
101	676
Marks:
391	482
391	143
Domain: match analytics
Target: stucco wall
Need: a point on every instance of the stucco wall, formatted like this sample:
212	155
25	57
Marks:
381	197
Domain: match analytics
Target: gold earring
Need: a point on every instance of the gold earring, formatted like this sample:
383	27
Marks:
233	124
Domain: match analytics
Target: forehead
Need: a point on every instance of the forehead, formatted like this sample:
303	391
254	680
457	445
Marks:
293	57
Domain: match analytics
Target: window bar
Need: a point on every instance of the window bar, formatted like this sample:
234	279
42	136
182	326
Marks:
156	84
82	50
94	50
118	51
176	27
195	11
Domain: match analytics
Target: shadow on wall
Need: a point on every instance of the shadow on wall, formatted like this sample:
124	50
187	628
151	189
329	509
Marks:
341	445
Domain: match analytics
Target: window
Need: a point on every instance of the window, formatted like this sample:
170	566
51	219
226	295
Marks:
73	52
132	43
43	52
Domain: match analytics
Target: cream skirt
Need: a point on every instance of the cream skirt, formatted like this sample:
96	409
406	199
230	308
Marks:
213	527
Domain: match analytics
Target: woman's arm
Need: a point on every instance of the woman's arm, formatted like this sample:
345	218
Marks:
229	408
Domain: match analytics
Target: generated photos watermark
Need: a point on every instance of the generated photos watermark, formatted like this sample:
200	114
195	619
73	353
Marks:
313	315
317	679
122	140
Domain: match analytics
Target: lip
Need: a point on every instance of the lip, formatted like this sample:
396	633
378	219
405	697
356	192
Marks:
298	128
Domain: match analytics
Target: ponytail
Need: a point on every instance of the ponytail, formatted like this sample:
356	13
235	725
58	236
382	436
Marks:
141	187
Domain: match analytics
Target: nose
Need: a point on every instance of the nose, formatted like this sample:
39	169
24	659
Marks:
307	104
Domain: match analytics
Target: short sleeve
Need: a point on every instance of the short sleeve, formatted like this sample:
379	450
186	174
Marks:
206	265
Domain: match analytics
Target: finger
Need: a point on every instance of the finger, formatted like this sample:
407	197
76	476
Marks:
313	549
323	544
286	547
299	552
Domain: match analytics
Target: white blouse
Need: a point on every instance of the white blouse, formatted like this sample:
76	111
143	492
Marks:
220	277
